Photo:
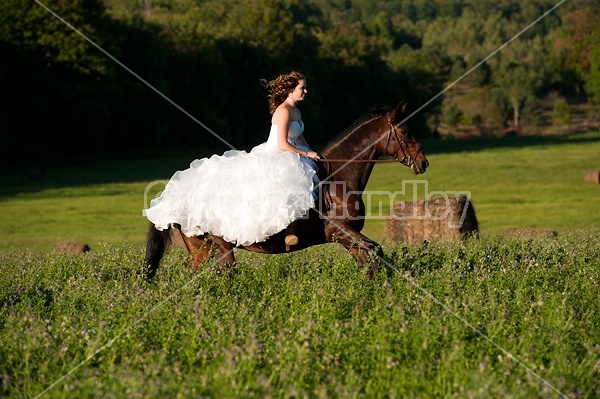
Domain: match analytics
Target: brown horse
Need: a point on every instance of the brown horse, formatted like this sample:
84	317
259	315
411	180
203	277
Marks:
339	216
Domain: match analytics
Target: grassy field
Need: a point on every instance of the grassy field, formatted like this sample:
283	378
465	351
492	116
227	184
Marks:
491	317
495	317
521	182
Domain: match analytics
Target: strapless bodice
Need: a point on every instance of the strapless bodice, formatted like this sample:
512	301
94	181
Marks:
295	130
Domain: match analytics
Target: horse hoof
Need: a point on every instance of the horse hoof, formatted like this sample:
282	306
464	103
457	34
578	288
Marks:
291	239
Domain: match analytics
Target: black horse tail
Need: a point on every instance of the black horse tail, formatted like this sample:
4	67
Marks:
157	243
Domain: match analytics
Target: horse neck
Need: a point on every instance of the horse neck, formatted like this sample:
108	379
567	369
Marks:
360	143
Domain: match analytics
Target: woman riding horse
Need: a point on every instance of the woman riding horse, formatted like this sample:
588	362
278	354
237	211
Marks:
216	208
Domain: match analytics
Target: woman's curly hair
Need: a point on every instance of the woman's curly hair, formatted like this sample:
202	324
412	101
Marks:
279	88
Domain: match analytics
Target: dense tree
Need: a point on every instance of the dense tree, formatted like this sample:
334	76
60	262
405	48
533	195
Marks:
57	88
574	42
574	38
515	82
208	57
520	71
593	79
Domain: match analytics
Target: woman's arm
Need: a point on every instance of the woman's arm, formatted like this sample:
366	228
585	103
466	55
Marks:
281	118
302	141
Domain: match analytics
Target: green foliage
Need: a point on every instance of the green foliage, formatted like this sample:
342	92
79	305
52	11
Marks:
593	79
561	113
56	45
309	324
451	114
484	109
208	55
532	111
48	70
520	72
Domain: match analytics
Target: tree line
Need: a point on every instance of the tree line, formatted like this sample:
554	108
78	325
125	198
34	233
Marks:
62	96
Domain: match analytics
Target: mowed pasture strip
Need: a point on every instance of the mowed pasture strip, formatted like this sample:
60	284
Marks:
91	214
309	324
521	182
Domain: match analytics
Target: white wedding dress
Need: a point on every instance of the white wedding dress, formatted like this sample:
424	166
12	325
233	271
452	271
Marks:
244	197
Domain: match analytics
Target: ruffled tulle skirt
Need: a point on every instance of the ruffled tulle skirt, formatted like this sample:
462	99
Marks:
244	197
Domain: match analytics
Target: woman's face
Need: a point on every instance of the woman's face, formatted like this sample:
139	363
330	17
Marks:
300	91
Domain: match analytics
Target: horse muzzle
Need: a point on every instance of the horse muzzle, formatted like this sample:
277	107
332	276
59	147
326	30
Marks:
418	166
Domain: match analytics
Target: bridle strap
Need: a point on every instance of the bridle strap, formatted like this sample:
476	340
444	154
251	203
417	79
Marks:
401	142
392	129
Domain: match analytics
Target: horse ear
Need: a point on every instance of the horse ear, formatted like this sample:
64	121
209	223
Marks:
401	107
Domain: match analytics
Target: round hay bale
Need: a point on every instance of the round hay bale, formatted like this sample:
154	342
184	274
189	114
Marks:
72	247
592	177
444	218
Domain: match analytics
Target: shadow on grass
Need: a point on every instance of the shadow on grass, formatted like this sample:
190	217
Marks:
102	169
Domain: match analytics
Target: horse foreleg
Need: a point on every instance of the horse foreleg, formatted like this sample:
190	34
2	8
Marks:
364	250
199	249
224	254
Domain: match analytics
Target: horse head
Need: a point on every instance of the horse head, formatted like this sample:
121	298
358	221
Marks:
400	142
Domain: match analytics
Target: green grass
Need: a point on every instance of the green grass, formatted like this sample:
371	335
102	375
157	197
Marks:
308	324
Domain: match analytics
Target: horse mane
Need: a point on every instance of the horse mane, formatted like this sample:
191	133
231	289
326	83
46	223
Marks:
372	114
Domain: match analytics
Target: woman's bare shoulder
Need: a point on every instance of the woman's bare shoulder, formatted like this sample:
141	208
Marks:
281	114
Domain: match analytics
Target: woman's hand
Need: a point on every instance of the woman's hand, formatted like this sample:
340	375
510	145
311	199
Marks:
312	155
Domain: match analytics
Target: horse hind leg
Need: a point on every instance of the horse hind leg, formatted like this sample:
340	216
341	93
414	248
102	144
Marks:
202	248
